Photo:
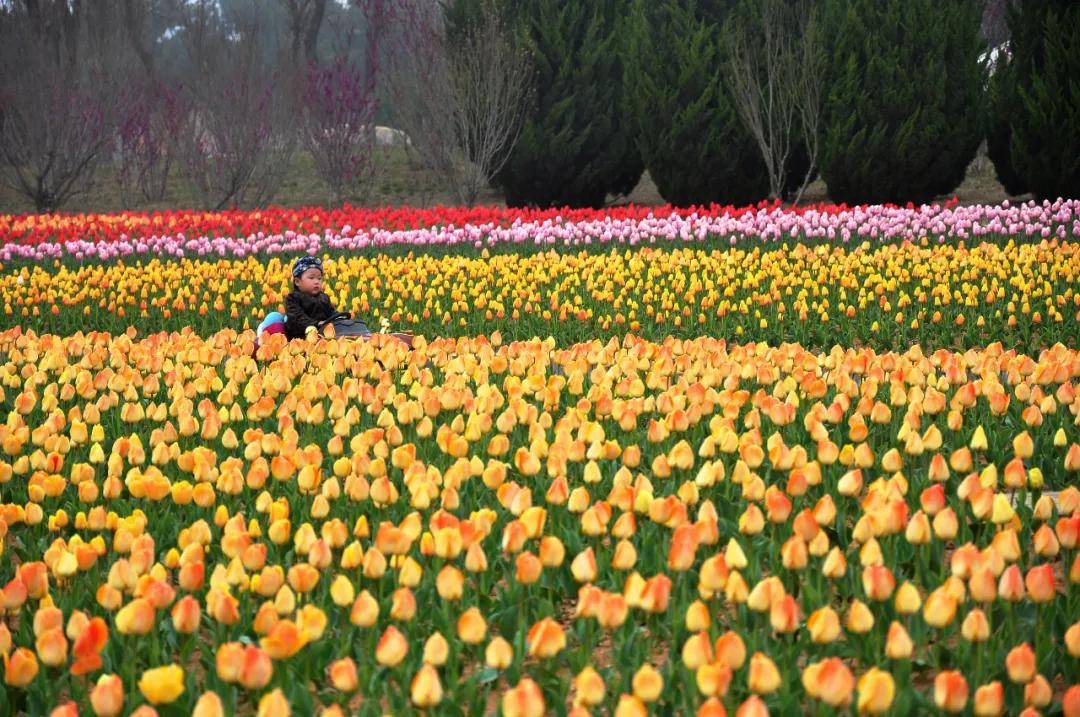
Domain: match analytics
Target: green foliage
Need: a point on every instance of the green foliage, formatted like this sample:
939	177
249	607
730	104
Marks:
690	135
576	144
1042	110
902	112
1001	101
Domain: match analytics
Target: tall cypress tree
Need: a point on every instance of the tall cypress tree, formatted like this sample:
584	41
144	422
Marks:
1043	108
690	135
901	119
1001	103
576	145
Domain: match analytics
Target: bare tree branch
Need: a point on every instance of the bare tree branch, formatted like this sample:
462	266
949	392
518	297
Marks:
305	21
774	76
61	84
235	139
461	103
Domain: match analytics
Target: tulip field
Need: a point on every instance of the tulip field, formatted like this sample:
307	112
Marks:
638	461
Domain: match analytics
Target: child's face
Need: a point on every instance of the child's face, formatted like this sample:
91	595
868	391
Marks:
310	282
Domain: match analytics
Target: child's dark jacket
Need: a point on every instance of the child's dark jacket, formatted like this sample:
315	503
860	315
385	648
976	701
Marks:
304	310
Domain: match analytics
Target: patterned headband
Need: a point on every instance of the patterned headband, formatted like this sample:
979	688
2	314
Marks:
304	263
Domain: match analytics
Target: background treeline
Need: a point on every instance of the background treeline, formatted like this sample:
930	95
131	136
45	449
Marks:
548	102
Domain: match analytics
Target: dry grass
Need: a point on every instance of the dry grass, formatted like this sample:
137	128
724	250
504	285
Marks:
401	181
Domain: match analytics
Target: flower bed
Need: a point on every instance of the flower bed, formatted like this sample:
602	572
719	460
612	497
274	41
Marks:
626	526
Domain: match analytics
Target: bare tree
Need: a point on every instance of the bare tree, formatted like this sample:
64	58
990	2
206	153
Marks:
60	87
305	20
460	102
774	74
235	140
339	100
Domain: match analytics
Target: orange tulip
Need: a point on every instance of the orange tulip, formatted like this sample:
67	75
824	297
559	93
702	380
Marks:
545	639
1011	585
343	675
229	660
523	700
52	647
876	691
528	568
498	654
208	705
186	615
950	691
697	650
1070	703
20	668
136	618
274	704
763	677
939	608
1072	639
426	689
730	650
471	627
752	706
989	700
1020	664
647	683
785	615
284	640
88	646
589	687
391	648
878	582
656	594
1038	692
68	709
256	669
1040	583
975	628
612	610
829	681
584	567
107	696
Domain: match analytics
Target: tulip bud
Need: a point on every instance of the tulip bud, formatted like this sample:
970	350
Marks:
1038	692
589	686
823	625
829	681
950	691
391	648
107	696
208	705
989	700
763	677
436	650
274	704
1072	640
859	618
898	644
426	689
162	685
1020	664
498	654
20	668
343	675
976	628
523	700
647	683
876	691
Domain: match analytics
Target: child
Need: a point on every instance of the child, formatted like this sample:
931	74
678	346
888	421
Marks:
307	305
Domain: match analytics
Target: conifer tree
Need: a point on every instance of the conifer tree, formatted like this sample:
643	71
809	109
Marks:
902	113
576	146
